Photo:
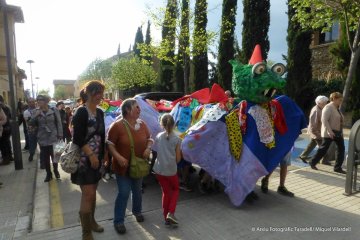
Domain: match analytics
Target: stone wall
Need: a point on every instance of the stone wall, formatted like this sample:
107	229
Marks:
323	65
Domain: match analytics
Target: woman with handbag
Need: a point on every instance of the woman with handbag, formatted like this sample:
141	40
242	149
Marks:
49	131
127	135
89	135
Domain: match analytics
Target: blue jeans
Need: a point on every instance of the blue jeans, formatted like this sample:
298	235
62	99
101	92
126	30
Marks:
125	184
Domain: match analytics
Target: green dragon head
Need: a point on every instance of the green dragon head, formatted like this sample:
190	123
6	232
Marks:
256	82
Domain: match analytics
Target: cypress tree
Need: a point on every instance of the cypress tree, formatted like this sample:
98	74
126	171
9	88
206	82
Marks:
255	27
148	34
148	41
139	39
200	58
118	51
226	45
183	63
299	63
168	42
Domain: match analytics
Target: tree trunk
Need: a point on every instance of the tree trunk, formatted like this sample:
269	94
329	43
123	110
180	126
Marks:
186	75
352	68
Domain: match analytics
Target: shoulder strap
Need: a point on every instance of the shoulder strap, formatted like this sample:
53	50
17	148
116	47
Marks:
130	136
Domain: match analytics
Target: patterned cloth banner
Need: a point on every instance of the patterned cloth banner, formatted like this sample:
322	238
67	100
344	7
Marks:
208	147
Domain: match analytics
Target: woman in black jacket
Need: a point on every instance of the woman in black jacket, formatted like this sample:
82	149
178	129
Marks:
89	134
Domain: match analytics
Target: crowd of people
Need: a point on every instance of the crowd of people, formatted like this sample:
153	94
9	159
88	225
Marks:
42	125
85	126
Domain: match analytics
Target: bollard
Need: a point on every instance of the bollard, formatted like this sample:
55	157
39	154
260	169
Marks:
353	159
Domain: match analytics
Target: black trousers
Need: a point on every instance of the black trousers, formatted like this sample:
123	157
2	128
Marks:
340	152
5	146
46	152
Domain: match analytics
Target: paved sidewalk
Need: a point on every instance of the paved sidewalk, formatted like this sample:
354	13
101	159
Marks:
319	211
16	198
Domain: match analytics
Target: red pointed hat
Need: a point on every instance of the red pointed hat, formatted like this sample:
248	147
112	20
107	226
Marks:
256	56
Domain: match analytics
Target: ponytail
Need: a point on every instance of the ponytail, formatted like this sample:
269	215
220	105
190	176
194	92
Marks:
167	121
83	96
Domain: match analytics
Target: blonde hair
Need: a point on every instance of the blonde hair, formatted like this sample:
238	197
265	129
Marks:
167	121
335	95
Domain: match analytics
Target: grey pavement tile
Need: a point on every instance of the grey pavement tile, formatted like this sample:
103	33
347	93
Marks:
16	199
317	209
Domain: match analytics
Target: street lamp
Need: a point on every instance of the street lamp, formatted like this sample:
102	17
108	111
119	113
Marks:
37	85
32	86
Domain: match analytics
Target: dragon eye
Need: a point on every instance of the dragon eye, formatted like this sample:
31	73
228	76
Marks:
259	68
278	68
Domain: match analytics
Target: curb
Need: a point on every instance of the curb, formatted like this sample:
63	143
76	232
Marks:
41	209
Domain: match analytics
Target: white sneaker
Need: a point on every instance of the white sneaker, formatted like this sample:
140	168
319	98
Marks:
171	218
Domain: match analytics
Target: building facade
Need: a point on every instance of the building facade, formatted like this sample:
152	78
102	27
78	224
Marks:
14	15
65	89
323	64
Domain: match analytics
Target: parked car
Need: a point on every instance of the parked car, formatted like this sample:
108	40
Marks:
157	96
52	103
161	100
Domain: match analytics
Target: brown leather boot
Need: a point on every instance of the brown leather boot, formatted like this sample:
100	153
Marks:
85	219
94	225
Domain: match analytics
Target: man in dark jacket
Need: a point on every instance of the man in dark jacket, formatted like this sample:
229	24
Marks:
61	107
5	144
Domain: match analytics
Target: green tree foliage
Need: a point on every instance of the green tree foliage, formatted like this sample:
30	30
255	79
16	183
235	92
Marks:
44	92
342	55
226	45
97	70
60	92
238	54
256	24
183	63
320	14
167	49
139	39
161	18
299	63
132	74
200	45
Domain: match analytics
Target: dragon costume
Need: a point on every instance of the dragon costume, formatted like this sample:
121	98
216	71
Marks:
268	127
236	143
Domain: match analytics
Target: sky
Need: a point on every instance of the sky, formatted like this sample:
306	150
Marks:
63	37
